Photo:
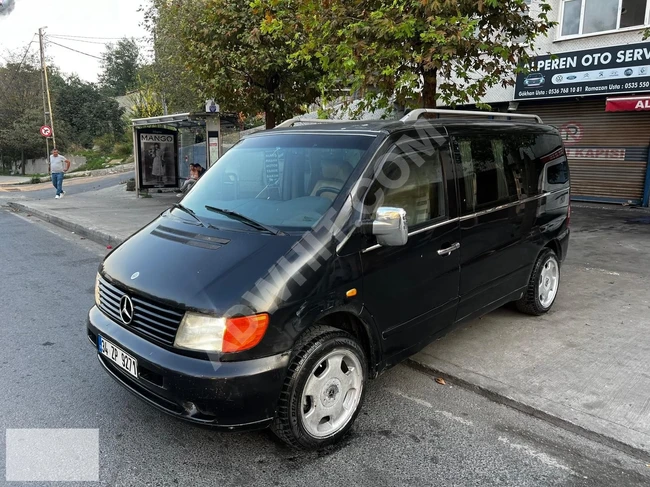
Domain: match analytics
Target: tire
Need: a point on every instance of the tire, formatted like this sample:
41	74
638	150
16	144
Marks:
317	384
533	301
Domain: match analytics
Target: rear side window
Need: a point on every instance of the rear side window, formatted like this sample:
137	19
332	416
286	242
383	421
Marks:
547	163
491	173
412	180
497	169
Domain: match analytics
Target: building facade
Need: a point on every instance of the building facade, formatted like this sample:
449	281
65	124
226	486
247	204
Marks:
591	80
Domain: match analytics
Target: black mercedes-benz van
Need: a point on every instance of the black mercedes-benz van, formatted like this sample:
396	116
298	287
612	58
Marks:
311	258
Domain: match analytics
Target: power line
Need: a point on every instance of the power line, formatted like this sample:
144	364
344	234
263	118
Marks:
84	37
75	50
103	43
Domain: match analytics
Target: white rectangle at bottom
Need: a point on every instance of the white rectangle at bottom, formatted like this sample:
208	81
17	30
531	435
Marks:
52	455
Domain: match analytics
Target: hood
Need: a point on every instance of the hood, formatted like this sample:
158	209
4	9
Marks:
191	267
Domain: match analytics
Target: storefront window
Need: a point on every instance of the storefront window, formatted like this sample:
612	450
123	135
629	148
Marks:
592	16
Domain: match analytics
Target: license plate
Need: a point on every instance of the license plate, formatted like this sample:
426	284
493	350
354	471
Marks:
117	356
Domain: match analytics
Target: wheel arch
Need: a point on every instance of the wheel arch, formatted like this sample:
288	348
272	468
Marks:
358	328
555	246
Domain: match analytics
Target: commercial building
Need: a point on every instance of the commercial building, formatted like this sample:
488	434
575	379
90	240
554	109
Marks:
592	81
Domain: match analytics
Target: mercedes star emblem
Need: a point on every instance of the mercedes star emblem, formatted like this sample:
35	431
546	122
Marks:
135	275
126	310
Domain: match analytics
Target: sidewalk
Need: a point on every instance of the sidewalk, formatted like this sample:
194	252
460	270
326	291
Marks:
9	180
585	366
107	216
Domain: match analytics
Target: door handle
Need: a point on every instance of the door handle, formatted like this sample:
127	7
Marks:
449	250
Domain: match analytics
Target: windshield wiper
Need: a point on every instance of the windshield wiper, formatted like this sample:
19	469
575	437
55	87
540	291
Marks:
245	220
191	213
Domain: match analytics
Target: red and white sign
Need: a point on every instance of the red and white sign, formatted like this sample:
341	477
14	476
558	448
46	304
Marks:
628	104
572	132
46	131
599	153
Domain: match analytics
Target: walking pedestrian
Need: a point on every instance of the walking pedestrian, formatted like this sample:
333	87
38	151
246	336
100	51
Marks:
59	165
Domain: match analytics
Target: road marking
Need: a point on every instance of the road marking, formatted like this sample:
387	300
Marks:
542	457
421	402
458	419
609	273
426	404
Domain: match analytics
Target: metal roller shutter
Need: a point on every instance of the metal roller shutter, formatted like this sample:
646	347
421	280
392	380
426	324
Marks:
607	152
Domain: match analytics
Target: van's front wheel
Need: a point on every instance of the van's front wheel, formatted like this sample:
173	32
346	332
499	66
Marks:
543	285
323	391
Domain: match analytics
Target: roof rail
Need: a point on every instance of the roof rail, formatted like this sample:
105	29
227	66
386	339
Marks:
292	121
414	115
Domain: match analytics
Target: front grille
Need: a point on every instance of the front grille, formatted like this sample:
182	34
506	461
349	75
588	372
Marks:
152	321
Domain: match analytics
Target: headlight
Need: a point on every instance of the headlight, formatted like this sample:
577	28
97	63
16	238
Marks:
210	334
97	290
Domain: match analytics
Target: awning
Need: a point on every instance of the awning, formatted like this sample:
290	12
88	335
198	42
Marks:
628	104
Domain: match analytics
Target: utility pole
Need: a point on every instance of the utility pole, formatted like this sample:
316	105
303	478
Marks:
45	112
47	100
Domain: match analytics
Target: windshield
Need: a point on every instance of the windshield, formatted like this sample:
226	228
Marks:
287	181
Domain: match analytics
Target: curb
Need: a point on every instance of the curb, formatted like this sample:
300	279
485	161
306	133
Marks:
503	394
96	236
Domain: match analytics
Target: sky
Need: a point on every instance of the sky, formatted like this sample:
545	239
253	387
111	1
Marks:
85	19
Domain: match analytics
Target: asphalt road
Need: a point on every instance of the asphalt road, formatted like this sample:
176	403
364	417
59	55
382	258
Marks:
77	187
412	430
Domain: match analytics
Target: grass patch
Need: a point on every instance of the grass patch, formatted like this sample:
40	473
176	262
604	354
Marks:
97	161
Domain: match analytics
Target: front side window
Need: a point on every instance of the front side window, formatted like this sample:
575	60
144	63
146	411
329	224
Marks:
412	180
287	181
592	16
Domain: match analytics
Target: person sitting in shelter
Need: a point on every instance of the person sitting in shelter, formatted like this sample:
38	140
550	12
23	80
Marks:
196	171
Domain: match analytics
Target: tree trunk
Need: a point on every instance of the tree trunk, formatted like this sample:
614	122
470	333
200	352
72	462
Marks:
429	88
24	162
270	119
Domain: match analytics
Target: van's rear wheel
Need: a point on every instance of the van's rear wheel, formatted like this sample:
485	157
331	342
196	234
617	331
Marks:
323	391
543	285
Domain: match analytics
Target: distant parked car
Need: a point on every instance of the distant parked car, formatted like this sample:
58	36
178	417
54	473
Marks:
534	79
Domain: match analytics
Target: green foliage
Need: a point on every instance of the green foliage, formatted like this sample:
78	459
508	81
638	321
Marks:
123	150
120	64
148	102
21	112
219	45
416	52
83	113
105	143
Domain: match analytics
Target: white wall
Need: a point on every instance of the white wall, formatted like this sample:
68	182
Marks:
39	166
552	44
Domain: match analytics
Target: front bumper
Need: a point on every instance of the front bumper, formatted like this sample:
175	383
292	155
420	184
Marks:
229	395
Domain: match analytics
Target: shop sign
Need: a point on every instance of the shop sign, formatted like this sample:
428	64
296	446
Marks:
613	69
631	104
598	153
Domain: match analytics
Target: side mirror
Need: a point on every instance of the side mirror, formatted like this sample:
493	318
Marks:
390	227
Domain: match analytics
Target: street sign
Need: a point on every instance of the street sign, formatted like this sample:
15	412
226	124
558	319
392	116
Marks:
46	131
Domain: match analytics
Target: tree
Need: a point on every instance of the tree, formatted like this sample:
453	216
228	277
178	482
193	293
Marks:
147	102
21	111
83	113
415	52
221	45
120	64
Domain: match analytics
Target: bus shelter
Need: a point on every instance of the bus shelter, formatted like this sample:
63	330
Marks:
165	146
